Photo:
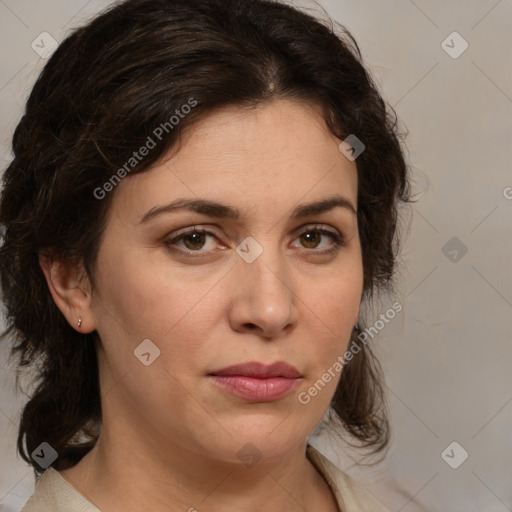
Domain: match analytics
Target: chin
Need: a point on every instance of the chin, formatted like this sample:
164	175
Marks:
268	438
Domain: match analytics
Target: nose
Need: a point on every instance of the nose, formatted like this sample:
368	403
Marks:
265	300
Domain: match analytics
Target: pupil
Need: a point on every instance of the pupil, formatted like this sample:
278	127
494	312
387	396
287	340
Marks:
197	241
312	237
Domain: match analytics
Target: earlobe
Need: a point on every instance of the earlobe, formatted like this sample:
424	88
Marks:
66	285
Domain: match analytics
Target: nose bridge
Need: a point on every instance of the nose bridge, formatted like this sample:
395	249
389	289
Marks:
263	261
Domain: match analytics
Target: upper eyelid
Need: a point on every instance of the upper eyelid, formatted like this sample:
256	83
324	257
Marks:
208	230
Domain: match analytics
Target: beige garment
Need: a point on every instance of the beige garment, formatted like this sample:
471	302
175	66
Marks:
55	494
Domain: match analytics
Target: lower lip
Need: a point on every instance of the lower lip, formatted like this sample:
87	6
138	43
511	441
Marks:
256	390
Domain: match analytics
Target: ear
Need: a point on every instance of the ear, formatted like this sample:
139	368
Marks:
71	291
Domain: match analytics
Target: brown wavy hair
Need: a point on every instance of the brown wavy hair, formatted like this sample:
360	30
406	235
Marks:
107	86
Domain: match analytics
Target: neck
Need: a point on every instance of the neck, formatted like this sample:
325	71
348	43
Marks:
125	471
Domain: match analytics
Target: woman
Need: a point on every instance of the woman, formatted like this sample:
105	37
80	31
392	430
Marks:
202	195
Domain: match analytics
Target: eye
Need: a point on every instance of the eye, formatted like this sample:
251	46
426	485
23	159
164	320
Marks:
195	239
312	237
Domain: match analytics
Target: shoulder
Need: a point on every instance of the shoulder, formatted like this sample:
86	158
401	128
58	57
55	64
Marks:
55	494
351	496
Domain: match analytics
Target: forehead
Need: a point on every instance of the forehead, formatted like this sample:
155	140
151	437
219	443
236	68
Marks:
275	154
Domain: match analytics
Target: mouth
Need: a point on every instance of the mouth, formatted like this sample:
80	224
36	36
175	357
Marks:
257	382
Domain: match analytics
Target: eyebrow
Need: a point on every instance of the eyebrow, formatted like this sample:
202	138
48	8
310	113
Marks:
214	209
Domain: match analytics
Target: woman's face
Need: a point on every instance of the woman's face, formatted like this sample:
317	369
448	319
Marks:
266	285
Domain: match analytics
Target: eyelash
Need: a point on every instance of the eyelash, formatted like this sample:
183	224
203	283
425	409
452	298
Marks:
338	241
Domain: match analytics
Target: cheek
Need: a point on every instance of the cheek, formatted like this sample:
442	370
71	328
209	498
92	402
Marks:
147	300
334	309
176	310
337	300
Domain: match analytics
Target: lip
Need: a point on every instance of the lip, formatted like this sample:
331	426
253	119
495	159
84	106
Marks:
257	382
260	371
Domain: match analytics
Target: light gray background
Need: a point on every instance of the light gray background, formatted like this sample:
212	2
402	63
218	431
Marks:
447	356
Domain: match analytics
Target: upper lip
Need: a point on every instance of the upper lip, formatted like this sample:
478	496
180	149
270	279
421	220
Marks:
260	371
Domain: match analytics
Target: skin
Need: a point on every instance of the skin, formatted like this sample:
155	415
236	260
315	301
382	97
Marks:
170	437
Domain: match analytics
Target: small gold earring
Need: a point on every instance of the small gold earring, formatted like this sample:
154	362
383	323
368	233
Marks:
79	322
